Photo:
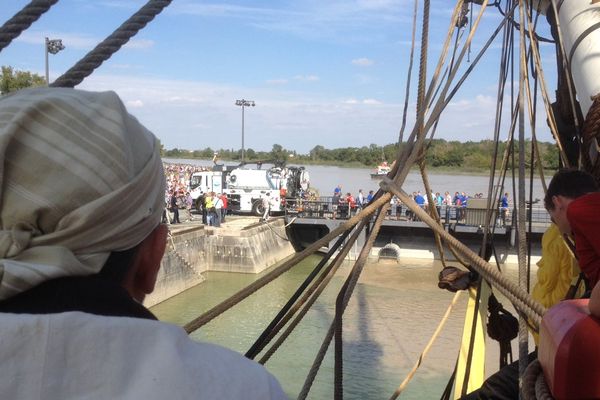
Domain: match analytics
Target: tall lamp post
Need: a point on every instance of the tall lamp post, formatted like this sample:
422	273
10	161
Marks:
244	103
52	46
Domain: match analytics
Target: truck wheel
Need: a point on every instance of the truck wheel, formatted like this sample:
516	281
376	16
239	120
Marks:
257	208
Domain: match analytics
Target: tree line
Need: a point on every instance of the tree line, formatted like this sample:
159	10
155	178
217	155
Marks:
442	154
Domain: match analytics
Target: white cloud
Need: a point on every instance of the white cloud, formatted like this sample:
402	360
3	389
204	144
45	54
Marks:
363	62
135	103
371	101
309	78
351	101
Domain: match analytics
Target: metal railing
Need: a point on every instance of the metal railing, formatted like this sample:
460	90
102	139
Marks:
324	208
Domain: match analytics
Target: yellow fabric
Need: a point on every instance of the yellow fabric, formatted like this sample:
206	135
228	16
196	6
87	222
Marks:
557	269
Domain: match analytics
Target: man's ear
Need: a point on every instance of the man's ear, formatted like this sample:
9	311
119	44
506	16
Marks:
144	268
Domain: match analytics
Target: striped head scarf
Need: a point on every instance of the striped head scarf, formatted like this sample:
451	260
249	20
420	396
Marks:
79	178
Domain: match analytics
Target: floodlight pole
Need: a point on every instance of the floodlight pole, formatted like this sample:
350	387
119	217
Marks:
52	46
244	103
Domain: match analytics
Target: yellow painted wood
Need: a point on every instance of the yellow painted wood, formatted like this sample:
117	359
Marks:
477	373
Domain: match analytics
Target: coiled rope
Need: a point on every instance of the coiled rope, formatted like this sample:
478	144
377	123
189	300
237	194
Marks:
23	20
534	383
105	49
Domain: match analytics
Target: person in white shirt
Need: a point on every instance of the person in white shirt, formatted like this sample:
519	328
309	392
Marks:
81	244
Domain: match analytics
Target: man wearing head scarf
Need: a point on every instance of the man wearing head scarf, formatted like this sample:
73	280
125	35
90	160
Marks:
81	196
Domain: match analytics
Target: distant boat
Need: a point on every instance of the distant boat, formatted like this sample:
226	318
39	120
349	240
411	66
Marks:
381	170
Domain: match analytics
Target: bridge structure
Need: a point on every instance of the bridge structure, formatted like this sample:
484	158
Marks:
309	220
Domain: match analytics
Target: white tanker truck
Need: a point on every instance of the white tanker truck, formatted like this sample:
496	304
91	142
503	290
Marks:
245	187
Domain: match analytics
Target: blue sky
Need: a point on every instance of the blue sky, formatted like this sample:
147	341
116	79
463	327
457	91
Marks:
327	73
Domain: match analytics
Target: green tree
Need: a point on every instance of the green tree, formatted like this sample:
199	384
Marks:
12	80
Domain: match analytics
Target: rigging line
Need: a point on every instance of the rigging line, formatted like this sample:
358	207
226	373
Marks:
286	266
23	20
417	137
344	296
403	154
516	25
444	101
260	343
435	335
309	298
330	332
497	123
522	216
521	299
549	111
408	78
105	49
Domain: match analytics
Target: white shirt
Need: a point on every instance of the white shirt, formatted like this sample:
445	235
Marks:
76	355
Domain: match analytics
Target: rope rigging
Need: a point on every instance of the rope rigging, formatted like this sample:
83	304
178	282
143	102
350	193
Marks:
23	20
105	49
432	99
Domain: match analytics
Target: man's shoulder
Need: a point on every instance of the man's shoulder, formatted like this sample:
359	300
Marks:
167	362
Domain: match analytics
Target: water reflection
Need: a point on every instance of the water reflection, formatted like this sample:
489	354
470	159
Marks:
395	309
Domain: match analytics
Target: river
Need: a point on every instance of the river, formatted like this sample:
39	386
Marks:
393	313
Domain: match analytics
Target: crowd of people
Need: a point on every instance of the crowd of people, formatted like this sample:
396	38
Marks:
347	205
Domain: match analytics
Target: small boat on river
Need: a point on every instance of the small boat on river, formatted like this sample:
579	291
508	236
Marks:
381	170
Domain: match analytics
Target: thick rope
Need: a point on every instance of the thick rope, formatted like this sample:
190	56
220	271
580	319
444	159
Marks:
354	273
23	20
286	266
435	335
103	51
309	298
534	384
260	343
409	75
516	295
521	210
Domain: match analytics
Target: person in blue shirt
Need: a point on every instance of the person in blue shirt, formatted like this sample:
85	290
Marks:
504	208
370	196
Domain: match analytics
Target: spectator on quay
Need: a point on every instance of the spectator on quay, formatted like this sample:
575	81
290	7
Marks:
266	203
224	208
504	208
74	275
174	207
370	196
360	199
335	202
217	207
351	203
447	199
209	206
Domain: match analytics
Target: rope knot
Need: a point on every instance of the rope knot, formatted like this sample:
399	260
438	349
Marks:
14	241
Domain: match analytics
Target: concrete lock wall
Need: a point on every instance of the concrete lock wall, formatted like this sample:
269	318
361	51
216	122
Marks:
251	250
194	250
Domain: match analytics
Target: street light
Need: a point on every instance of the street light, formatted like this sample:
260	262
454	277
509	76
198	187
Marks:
53	46
244	103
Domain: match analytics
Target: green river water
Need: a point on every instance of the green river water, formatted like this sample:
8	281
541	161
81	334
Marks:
392	315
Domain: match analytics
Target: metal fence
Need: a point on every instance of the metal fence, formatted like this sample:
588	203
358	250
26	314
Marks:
324	208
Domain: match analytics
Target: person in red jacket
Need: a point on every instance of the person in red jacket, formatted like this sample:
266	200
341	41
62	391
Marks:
573	202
